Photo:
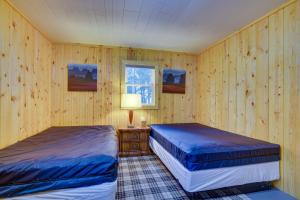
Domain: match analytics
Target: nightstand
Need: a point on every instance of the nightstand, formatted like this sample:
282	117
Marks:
134	141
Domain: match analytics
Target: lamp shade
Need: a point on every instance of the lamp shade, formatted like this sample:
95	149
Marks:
131	101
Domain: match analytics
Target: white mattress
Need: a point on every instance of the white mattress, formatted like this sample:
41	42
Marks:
209	179
105	191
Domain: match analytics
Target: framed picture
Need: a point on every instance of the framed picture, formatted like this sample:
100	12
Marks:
82	77
174	81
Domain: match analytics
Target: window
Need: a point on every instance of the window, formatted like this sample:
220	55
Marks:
141	78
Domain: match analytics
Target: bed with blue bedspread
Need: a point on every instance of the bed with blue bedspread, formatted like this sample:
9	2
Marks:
59	161
204	158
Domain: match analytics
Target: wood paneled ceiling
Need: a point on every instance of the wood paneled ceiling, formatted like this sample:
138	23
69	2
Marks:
179	25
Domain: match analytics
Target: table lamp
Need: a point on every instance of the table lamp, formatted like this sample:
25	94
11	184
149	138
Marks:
131	102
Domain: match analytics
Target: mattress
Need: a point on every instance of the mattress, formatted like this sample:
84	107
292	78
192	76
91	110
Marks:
104	191
199	147
211	179
59	158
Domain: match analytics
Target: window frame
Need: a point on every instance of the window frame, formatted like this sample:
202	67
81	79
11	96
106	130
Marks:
140	64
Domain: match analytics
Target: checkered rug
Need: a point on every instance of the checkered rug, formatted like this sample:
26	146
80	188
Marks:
145	177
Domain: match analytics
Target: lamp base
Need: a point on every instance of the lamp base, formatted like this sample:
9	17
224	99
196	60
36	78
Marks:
130	125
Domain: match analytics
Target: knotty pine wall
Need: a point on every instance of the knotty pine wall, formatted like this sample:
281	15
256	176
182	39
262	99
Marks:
25	64
103	106
250	84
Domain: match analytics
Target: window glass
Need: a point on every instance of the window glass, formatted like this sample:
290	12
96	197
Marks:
141	80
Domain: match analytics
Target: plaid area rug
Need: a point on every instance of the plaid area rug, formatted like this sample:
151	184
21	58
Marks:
145	177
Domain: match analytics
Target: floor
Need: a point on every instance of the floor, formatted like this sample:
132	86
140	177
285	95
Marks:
146	178
274	194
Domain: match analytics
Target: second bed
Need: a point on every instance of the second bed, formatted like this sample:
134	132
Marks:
203	158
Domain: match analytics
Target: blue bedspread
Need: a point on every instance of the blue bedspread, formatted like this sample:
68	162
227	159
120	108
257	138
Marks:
58	158
200	147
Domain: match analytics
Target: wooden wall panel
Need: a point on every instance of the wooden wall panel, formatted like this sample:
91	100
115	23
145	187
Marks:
241	82
212	85
263	66
290	99
297	138
204	87
231	50
221	95
262	82
224	85
248	83
276	65
103	106
24	77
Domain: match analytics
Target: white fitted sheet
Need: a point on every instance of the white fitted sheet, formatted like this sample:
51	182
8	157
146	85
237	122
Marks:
104	191
209	179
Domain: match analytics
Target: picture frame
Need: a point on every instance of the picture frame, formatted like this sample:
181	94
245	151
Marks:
82	77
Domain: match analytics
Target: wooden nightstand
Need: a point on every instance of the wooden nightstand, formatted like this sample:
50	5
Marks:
134	141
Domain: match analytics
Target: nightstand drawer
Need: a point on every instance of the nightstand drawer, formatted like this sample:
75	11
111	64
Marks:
131	136
144	136
134	141
131	147
144	146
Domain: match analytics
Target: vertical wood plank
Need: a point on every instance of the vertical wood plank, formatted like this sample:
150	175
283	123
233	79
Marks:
212	87
206	86
241	83
250	59
220	95
5	99
231	62
290	98
262	82
297	141
225	88
276	66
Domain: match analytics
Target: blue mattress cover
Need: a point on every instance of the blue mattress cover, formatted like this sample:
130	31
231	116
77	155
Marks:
199	147
58	158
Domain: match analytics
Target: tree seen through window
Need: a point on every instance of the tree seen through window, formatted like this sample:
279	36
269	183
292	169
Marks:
141	80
